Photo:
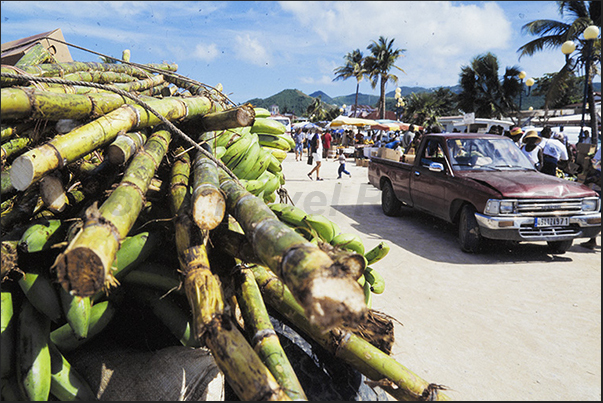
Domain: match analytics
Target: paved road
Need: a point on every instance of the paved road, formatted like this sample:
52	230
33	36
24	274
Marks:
515	323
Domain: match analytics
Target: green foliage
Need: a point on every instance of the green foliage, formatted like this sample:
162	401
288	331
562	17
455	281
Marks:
288	101
570	90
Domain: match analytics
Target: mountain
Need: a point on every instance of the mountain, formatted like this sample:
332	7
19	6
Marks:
288	101
324	97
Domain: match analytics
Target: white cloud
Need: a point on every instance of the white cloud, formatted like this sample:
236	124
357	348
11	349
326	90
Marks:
251	50
206	52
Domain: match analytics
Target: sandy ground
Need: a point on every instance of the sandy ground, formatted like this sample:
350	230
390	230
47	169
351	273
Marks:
514	323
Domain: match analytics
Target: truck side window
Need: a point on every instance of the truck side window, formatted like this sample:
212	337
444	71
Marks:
433	153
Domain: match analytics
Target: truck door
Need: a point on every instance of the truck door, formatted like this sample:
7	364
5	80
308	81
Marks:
428	188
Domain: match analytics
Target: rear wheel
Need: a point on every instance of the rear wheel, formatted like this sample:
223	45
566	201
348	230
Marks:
470	238
559	247
389	203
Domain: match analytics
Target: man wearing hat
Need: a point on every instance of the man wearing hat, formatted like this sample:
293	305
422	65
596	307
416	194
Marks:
532	149
515	135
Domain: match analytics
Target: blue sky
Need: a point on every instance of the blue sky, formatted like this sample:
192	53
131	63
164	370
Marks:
257	49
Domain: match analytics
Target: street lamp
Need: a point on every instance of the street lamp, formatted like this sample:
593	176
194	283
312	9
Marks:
529	83
399	103
590	34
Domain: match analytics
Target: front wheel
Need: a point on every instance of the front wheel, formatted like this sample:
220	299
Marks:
389	202
559	247
470	238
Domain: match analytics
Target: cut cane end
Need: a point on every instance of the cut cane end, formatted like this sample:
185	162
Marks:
209	209
80	271
22	173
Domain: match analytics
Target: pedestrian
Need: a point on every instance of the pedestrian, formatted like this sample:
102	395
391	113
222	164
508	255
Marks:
553	151
341	169
594	177
308	136
316	149
326	144
298	137
532	149
584	137
515	134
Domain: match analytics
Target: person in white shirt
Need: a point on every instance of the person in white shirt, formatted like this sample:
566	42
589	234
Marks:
553	151
532	148
596	169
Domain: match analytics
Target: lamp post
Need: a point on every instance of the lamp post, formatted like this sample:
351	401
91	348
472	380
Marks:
529	83
590	34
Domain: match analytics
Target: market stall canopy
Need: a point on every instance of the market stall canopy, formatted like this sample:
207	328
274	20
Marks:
349	121
392	124
304	125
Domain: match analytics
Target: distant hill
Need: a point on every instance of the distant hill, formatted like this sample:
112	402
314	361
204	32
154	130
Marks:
295	101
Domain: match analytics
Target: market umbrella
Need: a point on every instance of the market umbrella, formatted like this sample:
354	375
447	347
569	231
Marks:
349	121
305	125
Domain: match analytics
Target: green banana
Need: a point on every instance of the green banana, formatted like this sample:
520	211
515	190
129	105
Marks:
33	355
336	229
274	141
41	236
41	293
281	177
377	253
269	197
375	279
236	151
368	295
349	241
261	165
7	343
220	150
77	312
261	112
290	214
267	125
322	225
272	184
244	169
361	280
289	140
256	186
279	153
66	384
100	316
274	164
229	136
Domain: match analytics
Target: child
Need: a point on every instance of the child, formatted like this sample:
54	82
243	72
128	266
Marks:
341	169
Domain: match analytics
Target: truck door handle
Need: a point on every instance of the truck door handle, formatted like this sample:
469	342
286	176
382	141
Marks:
417	173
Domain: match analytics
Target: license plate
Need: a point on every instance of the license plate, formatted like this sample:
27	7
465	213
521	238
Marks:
552	221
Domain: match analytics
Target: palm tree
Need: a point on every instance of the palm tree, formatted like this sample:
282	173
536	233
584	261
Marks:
379	63
353	67
552	34
316	110
482	91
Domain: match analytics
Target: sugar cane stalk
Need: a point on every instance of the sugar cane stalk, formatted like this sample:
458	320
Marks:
37	54
245	372
263	337
84	267
321	286
61	150
372	362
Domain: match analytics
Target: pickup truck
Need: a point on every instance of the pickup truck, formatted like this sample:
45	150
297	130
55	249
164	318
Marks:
485	185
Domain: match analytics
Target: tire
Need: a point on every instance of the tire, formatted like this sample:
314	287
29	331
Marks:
389	203
559	247
470	238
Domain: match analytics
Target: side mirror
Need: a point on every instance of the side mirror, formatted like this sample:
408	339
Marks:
436	167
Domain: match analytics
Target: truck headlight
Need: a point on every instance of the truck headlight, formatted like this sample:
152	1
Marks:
590	204
496	207
492	207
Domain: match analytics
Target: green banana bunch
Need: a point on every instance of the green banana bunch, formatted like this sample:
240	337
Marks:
349	241
66	384
289	214
77	312
272	184
236	151
376	281
256	186
377	253
41	293
274	165
322	225
266	125
279	141
229	136
245	167
7	341
33	355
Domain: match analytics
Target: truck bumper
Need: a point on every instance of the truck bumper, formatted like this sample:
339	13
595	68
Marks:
523	228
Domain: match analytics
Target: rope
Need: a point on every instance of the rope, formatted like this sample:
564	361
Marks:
133	97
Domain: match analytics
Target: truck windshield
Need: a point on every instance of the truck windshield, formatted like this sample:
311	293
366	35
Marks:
486	154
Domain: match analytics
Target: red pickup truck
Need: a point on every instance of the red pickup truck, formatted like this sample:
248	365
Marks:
488	187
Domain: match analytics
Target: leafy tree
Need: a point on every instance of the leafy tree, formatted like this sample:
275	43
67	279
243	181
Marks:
379	63
552	34
446	102
353	67
569	91
317	110
421	109
483	93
